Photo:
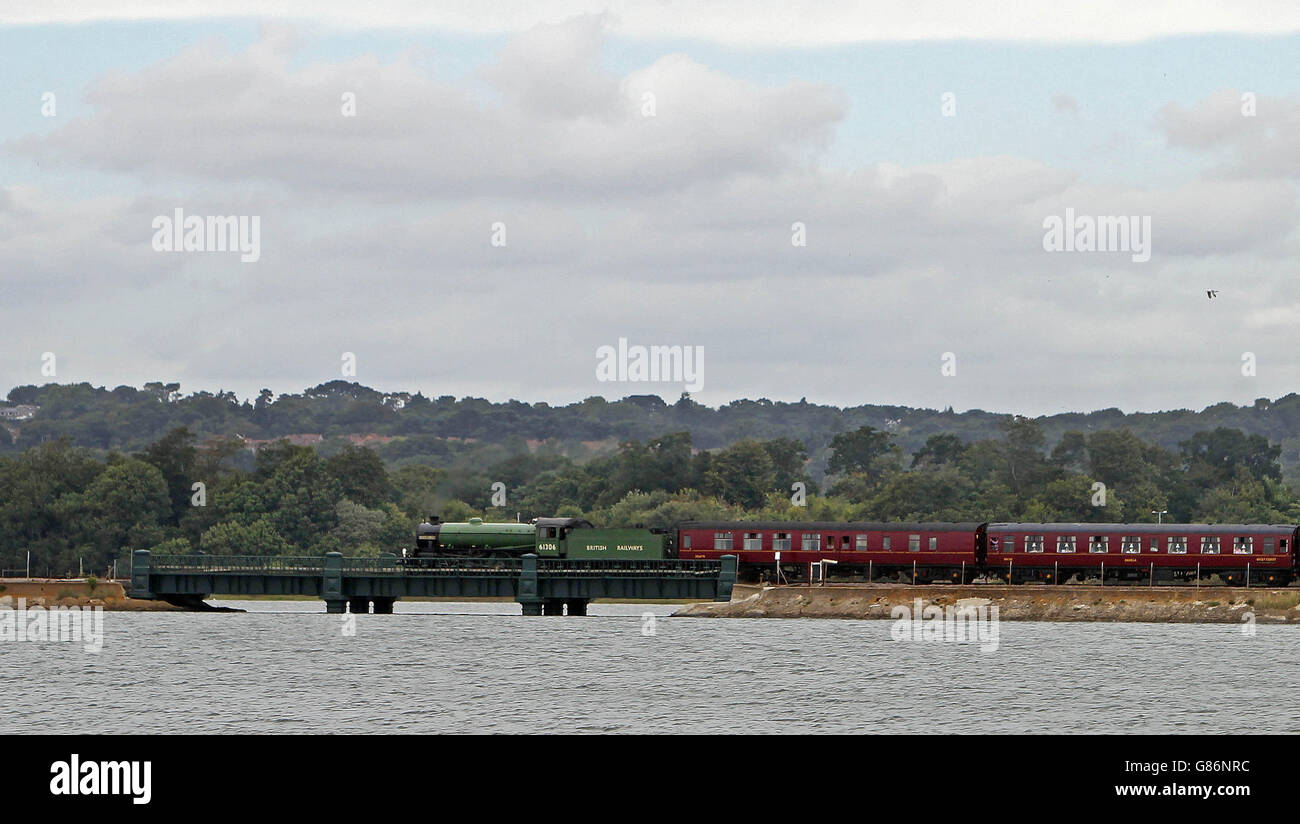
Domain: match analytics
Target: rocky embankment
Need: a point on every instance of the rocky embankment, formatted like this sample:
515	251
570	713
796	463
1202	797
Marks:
75	593
1207	605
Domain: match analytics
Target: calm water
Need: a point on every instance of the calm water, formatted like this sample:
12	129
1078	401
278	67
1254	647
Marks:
286	667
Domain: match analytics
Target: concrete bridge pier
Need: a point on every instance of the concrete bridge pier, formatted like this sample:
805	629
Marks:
335	606
531	607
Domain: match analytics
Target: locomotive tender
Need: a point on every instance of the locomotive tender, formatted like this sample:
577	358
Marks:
1239	554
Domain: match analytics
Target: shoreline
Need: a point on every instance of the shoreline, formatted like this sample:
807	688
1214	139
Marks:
76	592
1180	605
1119	604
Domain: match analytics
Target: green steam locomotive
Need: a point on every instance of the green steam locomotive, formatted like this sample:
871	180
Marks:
545	537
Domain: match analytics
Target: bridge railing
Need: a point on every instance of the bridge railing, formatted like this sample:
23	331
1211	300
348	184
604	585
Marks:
416	566
316	565
236	563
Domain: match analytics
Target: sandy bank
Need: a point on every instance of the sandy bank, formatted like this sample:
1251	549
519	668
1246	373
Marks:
75	593
1208	605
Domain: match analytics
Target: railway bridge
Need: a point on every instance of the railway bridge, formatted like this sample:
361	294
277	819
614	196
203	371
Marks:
542	586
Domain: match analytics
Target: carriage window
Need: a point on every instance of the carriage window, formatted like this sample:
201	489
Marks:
913	543
1065	543
1210	545
686	541
722	540
1178	545
862	541
1268	546
1099	543
1242	546
781	541
844	542
753	540
934	542
1008	544
811	540
1131	545
830	541
1155	544
886	542
1033	543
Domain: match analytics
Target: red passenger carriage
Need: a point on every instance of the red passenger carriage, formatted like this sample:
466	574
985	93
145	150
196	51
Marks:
1052	553
875	551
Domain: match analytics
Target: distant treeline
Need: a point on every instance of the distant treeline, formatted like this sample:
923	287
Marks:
129	419
70	504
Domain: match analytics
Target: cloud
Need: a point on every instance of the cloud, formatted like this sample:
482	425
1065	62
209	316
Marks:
671	229
563	127
1260	135
782	23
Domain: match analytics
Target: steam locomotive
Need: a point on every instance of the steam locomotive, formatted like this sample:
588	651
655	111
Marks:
546	537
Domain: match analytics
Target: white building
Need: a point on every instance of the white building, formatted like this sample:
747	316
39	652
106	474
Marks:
21	412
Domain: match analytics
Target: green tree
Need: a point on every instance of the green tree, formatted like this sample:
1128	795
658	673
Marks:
1024	467
361	475
176	458
942	494
788	458
742	474
858	451
129	504
233	538
939	450
1213	457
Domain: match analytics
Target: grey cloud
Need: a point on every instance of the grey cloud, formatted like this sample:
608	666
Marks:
672	229
1265	144
563	127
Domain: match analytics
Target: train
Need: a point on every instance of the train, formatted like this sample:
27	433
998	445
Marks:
932	552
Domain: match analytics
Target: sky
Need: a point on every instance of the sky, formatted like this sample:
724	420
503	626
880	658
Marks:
845	204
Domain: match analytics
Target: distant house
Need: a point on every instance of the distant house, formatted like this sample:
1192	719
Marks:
372	438
21	412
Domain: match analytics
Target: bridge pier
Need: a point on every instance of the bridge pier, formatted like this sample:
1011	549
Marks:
552	606
359	606
335	606
531	607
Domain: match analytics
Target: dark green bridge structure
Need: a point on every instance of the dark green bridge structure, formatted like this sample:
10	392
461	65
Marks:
543	586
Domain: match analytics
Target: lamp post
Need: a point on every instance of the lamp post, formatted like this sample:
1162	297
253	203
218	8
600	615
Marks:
1160	514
